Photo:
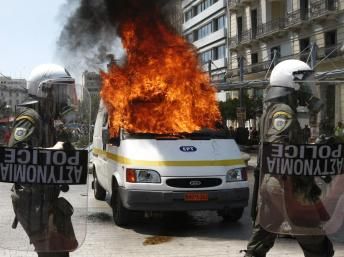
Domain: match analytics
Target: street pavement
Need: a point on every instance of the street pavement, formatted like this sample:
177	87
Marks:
199	234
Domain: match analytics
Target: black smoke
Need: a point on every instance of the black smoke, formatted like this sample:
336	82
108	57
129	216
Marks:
90	32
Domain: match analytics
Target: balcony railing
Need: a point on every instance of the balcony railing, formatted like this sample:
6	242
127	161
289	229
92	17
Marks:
233	42
242	38
270	27
329	51
245	37
324	7
297	17
234	4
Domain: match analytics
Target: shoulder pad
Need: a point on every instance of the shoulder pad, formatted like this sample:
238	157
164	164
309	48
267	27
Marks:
28	114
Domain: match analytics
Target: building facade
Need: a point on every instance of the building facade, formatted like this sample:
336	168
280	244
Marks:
12	91
92	81
205	25
261	33
264	32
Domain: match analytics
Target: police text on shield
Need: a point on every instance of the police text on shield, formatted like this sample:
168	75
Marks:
303	160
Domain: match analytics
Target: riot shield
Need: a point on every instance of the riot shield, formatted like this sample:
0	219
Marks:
44	170
301	163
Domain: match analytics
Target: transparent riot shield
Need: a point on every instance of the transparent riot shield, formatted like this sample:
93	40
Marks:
301	162
44	171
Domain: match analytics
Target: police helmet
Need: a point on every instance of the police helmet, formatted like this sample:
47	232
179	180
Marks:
284	78
293	76
53	82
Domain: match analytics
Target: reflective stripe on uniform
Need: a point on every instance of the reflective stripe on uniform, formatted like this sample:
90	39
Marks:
25	117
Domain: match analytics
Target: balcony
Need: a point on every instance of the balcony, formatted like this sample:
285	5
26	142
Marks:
271	28
297	18
330	51
243	38
305	56
258	67
324	9
234	5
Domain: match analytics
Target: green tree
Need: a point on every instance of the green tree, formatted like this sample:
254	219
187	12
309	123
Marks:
229	108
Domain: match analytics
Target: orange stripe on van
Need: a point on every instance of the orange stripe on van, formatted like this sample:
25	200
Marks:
124	160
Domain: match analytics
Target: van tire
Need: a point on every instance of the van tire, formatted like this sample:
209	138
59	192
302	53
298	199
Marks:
98	190
121	215
231	215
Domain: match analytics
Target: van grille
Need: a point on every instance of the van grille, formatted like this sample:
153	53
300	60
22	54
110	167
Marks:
193	182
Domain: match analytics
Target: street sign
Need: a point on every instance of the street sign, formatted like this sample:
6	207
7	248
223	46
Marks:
241	114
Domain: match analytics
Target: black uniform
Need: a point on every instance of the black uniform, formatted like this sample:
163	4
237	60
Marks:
45	217
279	124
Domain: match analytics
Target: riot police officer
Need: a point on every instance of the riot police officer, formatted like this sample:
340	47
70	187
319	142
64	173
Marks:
288	89
45	217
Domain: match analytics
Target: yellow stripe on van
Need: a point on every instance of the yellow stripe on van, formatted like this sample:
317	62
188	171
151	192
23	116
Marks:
124	160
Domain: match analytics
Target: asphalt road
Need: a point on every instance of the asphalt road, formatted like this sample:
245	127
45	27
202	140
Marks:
201	234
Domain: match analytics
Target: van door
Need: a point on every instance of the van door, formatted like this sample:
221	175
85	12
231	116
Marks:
99	144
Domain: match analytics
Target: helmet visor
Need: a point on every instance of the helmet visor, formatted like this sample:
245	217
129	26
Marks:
306	81
63	93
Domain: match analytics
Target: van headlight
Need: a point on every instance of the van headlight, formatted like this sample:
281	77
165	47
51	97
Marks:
238	174
142	176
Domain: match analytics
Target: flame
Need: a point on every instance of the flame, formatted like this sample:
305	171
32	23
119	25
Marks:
161	88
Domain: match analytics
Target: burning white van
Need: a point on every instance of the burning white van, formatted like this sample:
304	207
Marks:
153	172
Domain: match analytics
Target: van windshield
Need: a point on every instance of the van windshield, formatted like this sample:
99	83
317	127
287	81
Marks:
203	134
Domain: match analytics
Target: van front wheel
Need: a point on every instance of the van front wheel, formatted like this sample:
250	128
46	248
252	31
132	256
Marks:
120	214
98	190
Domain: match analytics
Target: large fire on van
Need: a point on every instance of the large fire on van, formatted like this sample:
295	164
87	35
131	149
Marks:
161	88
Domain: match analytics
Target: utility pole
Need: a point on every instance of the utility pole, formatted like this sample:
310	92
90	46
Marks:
242	133
241	78
209	69
314	49
241	111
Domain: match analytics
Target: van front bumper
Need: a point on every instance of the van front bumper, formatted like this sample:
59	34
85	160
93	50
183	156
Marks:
174	201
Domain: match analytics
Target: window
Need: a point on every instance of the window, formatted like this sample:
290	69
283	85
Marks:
239	28
187	15
254	22
330	43
276	49
304	43
194	11
304	9
189	37
202	6
204	31
206	56
330	38
219	23
273	50
219	52
254	62
304	49
195	35
254	58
